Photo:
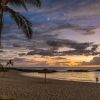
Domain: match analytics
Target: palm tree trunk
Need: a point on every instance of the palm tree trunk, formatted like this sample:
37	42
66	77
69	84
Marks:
0	40
1	26
2	3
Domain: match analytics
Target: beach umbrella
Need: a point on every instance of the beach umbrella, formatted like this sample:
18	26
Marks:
45	72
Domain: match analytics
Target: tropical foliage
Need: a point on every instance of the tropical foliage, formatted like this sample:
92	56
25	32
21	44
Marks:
20	20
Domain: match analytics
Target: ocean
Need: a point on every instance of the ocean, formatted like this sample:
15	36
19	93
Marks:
69	76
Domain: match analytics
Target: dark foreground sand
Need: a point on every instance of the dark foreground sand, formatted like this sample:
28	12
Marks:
25	88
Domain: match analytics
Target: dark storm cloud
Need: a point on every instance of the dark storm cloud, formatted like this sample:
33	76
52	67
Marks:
37	36
57	19
1	51
54	15
81	52
59	58
45	21
42	52
68	43
94	61
22	54
20	60
88	30
16	45
68	3
3	60
78	48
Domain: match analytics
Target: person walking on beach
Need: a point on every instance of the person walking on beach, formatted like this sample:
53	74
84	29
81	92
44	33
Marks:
97	79
10	63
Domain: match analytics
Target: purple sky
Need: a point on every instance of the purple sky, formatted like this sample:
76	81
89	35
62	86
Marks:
65	31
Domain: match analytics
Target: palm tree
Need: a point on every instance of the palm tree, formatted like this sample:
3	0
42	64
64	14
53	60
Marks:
20	20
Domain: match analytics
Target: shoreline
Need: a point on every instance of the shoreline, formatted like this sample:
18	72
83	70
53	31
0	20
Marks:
60	77
19	87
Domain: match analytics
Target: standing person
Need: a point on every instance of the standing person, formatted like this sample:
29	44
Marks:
97	79
1	66
10	63
2	69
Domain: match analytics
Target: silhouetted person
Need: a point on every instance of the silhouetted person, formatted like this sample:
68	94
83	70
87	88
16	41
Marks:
1	66
97	79
10	63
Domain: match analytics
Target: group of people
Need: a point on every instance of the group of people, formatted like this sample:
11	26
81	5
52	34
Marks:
8	64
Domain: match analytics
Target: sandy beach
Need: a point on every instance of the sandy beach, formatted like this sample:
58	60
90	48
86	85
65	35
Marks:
19	87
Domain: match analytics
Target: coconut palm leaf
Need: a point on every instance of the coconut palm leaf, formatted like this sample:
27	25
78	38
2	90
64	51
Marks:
24	2
33	2
21	21
18	3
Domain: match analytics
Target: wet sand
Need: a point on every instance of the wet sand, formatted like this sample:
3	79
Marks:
14	85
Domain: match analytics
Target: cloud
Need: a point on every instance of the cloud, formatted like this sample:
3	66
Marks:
68	43
75	48
1	51
22	54
81	52
21	60
57	21
59	58
85	30
87	48
42	52
94	61
3	60
64	19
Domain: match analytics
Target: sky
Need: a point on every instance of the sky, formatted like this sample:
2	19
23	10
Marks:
66	33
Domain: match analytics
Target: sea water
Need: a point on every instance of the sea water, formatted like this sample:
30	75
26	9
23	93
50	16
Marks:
71	76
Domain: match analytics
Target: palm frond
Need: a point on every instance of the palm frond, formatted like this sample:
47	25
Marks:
22	22
33	2
23	3
1	25
18	3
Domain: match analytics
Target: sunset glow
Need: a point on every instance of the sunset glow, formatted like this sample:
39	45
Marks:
63	37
